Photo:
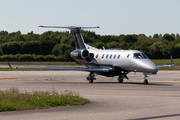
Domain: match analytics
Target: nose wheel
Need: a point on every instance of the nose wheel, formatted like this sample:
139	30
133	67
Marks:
145	79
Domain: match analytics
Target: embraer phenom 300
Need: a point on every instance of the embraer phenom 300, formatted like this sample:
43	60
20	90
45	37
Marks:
109	62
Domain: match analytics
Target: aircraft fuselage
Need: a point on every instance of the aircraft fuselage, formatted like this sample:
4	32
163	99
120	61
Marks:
129	60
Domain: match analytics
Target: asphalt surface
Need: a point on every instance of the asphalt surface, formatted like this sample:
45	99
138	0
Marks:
131	100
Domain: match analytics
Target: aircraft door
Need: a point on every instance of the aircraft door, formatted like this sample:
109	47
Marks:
132	65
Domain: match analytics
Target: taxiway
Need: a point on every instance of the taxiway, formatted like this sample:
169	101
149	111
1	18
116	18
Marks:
131	100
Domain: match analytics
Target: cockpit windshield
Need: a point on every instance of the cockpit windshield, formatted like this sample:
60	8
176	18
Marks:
140	56
144	56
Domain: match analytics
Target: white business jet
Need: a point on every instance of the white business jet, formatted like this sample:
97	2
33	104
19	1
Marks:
109	62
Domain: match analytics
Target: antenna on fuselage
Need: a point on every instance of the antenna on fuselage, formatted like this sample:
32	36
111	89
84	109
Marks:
103	48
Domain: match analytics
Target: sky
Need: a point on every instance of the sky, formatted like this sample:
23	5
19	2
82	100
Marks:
114	17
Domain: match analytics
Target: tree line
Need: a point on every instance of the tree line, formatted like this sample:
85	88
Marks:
56	46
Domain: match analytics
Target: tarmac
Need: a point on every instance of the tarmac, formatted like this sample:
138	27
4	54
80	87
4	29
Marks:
110	100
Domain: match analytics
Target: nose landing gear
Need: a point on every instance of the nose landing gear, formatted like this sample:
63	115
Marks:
145	79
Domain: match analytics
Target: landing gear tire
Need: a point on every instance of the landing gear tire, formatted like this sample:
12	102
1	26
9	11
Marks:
120	79
145	79
91	78
146	82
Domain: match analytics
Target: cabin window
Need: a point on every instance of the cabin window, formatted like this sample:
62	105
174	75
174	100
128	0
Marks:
103	56
137	56
128	55
97	55
118	57
114	56
107	55
110	56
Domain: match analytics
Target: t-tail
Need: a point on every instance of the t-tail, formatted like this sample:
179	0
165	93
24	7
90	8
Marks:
81	54
79	41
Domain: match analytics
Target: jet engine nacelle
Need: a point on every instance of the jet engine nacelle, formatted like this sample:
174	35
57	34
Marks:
80	54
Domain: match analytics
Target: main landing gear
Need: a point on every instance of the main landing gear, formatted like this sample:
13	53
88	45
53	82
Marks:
121	78
91	77
145	79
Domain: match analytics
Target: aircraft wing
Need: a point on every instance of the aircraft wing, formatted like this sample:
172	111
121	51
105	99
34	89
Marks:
165	66
74	69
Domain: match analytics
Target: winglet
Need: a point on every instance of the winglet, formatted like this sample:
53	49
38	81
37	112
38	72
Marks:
8	62
164	66
172	64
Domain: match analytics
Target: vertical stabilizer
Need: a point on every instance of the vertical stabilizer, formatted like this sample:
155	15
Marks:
79	41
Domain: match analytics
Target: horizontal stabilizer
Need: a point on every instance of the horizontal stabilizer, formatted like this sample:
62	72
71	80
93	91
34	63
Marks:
79	41
69	27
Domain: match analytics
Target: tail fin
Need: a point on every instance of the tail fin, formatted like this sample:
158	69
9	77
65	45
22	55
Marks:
79	41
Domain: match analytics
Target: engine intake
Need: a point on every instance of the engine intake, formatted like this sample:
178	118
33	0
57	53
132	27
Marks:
80	54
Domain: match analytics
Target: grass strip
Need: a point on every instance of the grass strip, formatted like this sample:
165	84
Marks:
12	69
166	61
36	63
13	99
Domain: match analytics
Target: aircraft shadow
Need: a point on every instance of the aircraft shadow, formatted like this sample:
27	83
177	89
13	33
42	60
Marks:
156	117
125	83
133	83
